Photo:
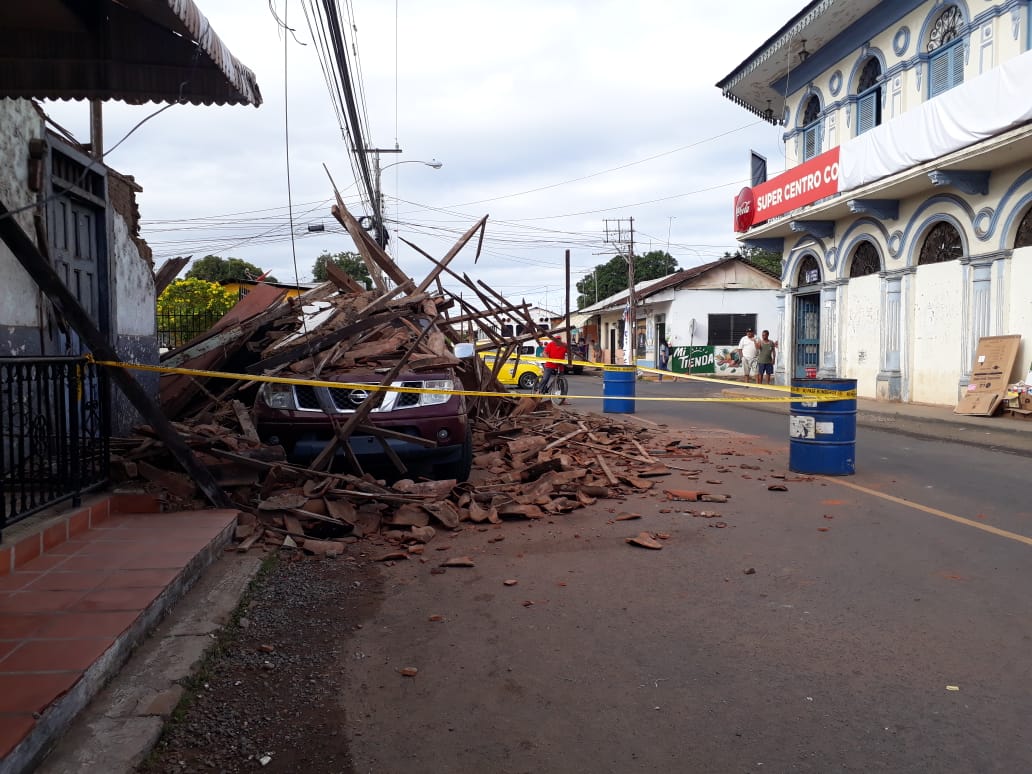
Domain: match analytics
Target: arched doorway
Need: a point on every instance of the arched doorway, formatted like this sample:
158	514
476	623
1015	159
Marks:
807	330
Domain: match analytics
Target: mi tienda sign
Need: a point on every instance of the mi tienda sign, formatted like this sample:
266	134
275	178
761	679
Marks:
799	186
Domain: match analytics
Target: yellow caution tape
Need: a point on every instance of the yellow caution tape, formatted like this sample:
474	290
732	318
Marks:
823	397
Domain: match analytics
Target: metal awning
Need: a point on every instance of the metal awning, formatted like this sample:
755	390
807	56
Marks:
135	51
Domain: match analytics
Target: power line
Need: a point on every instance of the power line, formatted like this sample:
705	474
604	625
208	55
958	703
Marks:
613	169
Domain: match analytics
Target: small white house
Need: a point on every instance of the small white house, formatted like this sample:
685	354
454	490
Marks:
701	312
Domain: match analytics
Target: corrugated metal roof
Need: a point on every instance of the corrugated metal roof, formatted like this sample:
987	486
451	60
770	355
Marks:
131	50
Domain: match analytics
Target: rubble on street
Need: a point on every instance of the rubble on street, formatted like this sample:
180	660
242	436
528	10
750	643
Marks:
530	458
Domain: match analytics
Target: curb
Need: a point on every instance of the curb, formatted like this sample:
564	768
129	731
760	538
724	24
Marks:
117	729
926	428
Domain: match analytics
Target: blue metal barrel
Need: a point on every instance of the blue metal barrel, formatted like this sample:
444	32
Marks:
617	387
823	433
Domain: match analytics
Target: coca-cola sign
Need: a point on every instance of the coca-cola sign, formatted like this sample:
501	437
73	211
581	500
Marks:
799	186
745	209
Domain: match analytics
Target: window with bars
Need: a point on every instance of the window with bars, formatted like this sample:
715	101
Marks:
868	103
809	272
946	52
942	244
1024	235
812	136
865	260
726	330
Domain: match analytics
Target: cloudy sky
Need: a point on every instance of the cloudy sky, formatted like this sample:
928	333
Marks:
549	116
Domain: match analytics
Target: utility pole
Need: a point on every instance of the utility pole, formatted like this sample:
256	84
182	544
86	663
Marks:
621	233
377	203
569	337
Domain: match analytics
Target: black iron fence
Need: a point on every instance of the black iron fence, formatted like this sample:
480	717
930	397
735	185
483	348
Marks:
175	328
53	433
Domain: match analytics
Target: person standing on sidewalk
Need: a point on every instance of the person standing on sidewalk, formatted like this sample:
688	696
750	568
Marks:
664	357
766	352
747	349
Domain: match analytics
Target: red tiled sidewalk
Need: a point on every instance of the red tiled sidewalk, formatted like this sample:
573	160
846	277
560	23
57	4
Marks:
70	616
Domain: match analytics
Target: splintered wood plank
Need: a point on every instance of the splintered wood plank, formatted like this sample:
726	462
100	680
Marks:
246	424
456	248
607	471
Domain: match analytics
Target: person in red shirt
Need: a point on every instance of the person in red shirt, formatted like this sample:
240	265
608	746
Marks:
555	351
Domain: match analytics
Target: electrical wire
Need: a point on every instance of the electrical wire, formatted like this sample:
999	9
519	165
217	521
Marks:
614	169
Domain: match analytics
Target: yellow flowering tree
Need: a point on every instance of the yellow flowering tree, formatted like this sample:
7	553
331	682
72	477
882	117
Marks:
189	307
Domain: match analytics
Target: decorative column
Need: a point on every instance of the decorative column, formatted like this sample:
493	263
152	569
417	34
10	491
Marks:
890	377
781	329
1001	274
979	278
829	330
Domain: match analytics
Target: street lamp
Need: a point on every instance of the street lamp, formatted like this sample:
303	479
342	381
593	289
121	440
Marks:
381	234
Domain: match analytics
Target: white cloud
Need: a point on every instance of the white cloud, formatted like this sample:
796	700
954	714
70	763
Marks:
510	97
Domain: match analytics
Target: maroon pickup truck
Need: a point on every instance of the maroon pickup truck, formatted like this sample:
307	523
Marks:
298	418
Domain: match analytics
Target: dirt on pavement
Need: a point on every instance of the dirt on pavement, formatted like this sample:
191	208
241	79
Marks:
291	689
269	698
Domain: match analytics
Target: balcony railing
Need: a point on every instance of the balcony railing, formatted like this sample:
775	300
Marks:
53	433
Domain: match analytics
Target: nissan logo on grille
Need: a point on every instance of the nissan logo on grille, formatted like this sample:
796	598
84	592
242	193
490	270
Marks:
357	396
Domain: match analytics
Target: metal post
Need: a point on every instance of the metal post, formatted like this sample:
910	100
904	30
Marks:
569	334
632	314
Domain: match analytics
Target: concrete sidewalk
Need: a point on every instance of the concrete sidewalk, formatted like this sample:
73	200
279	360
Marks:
925	421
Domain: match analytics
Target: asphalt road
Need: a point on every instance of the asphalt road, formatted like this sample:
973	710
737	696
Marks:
880	622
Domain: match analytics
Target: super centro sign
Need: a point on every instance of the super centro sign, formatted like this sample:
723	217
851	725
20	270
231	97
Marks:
799	186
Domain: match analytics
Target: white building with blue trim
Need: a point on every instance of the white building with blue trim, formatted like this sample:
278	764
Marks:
903	215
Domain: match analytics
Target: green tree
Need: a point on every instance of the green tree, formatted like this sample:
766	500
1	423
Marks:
765	259
611	277
216	269
349	263
189	307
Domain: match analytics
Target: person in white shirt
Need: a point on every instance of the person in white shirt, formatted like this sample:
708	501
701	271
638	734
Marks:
747	348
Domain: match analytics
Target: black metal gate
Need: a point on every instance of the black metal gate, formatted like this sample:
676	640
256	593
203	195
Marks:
53	433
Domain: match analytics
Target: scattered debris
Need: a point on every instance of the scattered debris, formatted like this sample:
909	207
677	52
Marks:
458	561
777	488
531	460
751	571
408	671
645	540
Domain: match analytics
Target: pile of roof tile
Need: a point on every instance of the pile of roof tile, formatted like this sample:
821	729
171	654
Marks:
531	459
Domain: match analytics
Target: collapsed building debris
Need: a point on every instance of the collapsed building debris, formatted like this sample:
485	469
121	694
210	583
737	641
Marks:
387	347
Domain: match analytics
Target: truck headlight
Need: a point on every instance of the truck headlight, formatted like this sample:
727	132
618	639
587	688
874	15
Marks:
279	396
430	399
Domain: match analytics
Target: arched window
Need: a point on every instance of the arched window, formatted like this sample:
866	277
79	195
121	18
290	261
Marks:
865	260
1024	237
942	244
809	272
811	128
946	49
868	96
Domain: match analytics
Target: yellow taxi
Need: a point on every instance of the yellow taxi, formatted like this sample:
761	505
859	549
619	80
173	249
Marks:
524	374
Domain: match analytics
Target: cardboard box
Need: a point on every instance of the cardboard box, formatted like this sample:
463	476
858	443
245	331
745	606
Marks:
990	375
